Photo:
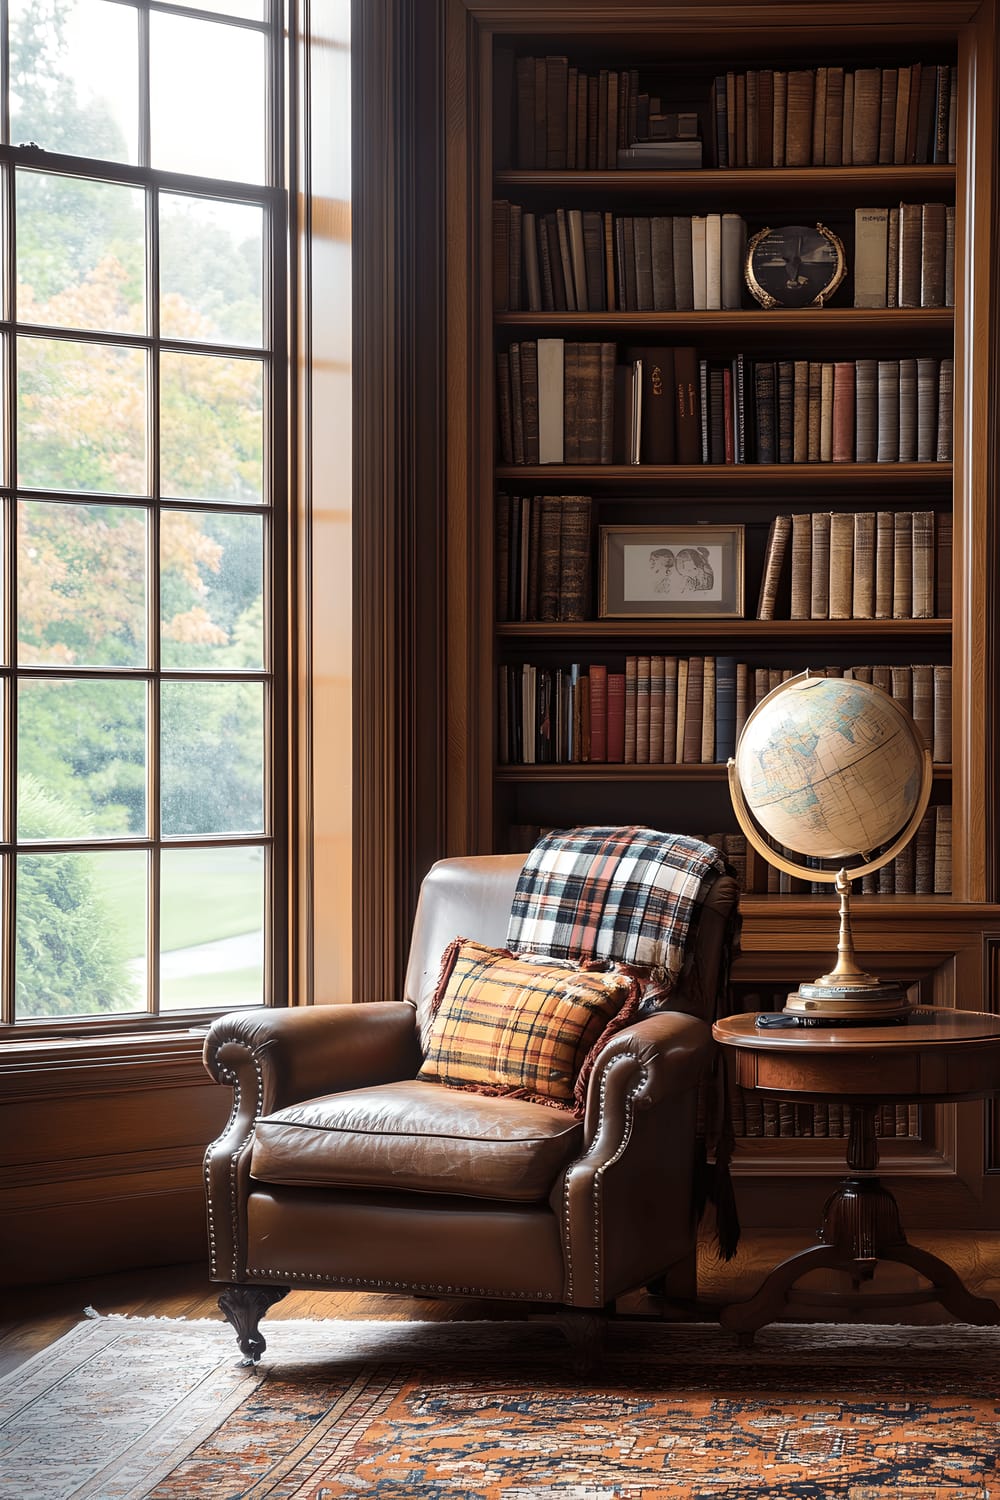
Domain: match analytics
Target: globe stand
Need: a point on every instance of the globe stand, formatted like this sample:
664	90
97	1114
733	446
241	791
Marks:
848	992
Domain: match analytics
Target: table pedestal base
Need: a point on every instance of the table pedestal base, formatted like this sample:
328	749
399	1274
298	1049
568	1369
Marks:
861	1226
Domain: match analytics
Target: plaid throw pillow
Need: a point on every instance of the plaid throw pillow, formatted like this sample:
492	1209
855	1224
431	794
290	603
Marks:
507	1025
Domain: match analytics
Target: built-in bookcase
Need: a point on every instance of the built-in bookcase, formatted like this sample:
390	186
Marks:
553	302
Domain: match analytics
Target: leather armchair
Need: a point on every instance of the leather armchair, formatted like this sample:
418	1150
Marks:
339	1168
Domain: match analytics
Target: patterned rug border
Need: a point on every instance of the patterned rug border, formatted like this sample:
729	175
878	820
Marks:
188	1381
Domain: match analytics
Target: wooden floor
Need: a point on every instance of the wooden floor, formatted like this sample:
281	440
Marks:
34	1317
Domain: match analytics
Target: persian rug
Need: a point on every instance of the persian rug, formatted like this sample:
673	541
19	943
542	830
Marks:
155	1409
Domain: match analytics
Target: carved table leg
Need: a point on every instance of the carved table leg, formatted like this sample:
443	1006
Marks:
861	1226
244	1306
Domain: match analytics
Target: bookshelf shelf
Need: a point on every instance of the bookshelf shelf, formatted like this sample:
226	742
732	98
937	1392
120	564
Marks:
759	188
615	771
758	632
754	482
814	327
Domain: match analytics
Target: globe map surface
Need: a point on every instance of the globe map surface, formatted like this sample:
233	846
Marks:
830	767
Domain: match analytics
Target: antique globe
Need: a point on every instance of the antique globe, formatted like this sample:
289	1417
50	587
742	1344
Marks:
834	770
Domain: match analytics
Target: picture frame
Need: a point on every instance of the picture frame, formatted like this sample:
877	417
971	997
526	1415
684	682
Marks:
795	265
671	572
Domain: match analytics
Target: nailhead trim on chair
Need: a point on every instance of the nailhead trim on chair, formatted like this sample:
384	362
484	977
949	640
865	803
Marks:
227	1076
271	1273
630	1057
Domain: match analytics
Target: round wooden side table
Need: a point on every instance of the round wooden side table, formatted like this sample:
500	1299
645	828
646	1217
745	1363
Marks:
932	1056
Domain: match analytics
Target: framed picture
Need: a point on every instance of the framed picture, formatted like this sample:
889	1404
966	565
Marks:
669	572
795	266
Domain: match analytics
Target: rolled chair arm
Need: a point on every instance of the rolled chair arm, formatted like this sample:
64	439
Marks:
644	1076
275	1058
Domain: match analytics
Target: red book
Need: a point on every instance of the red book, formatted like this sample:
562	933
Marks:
599	714
616	717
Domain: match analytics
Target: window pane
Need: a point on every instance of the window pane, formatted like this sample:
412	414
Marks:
74	72
81	750
211	927
211	590
81	253
211	270
212	749
81	585
208	87
81	417
80	934
211	428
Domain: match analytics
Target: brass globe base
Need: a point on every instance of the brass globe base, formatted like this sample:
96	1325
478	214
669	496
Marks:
862	1004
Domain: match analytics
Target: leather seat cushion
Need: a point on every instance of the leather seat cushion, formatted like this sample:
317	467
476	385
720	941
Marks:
419	1137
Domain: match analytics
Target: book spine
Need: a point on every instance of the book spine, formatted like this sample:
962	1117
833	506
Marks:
631	686
942	714
657	699
819	596
863	596
801	566
842	446
774	562
902	574
642	706
693	710
884	563
841	565
598	678
616	717
923	565
907	410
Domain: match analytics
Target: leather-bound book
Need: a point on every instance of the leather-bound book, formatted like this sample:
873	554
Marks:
764	410
575	554
923	565
902	572
668	752
949	255
866	410
533	550
942	96
543	230
815	402
642	688
707	752
888	411
932	254
606	402
713	262
887	117
885	555
731	118
826	413
801	566
847	134
913	113
571	402
818	153
863	593
927	400
550	558
942	851
516	402
775	556
598	678
785	410
659	439
505	427
571	119
582	120
529	399
550	357
942	565
923	149
616	717
608	261
942	714
698	283
907	410
551	251
501	253
841	565
682	682
577	257
910	232
819	590
593	260
717	416
799	118
902	115
587	376
530	262
657	702
843	412
892	259
661	238
871	230
780	116
867	103
601	123
922	702
733	258
765	117
800	411
515	258
742	696
631	292
693	710
834	122
725	708
501	558
752	121
688	426
631	691
683	265
946	375
643	264
923	860
902	686
741	119
566	259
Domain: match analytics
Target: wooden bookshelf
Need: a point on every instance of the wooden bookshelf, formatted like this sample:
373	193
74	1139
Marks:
946	945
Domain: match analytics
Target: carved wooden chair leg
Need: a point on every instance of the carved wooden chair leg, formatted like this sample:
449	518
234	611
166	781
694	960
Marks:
243	1307
585	1331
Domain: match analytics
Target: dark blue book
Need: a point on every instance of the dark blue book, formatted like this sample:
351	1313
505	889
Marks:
725	708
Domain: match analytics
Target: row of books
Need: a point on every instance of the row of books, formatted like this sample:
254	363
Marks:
543	557
581	402
566	119
905	256
586	260
675	710
922	868
865	565
836	116
755	1117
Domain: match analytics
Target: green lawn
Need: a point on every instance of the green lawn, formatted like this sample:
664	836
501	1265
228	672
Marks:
237	987
208	894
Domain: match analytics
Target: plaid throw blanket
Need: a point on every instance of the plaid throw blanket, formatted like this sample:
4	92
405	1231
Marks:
624	894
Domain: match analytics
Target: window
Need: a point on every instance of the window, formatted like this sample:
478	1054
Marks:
143	404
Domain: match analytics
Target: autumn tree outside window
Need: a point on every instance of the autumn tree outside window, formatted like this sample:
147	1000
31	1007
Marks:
143	390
